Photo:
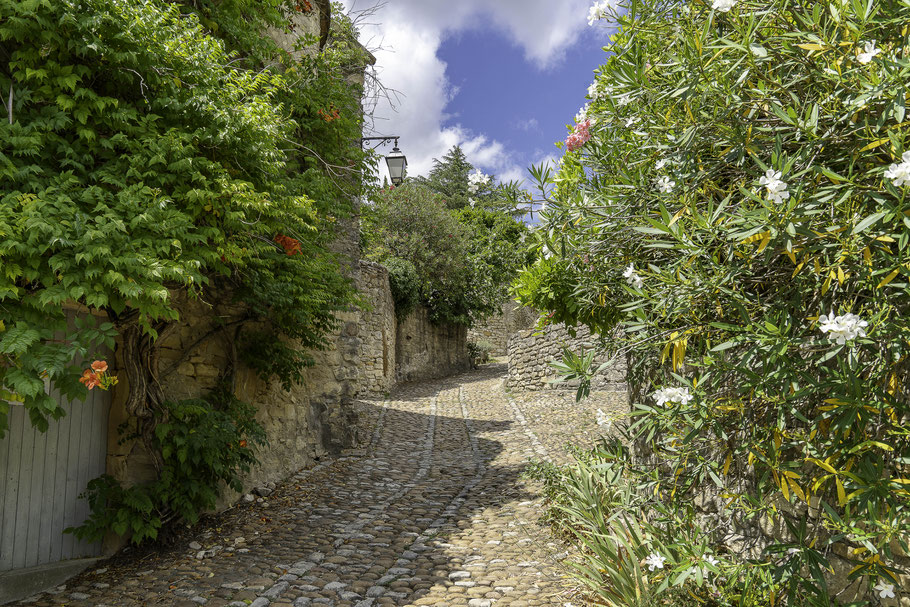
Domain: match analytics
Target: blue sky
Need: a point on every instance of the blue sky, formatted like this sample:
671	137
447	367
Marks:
501	78
503	95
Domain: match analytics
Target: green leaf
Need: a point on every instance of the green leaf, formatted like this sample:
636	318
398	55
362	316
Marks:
868	221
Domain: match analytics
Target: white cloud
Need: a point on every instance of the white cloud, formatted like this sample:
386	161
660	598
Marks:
407	35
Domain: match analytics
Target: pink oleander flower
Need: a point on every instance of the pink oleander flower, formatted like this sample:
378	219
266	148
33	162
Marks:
579	136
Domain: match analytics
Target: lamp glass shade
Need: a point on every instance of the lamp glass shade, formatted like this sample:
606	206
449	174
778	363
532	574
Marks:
397	163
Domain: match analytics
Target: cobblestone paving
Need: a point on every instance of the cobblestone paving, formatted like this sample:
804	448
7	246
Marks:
433	511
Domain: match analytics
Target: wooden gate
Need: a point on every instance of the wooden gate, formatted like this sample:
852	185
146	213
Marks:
41	477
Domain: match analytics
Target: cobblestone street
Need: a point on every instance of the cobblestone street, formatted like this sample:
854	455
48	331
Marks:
432	511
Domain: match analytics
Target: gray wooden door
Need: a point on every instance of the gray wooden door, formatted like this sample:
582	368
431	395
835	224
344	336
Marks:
41	477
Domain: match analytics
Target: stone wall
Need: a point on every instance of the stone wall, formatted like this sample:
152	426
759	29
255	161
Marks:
497	329
427	351
311	420
377	358
531	352
410	350
303	424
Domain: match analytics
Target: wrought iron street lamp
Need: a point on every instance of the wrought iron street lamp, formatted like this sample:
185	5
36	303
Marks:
396	161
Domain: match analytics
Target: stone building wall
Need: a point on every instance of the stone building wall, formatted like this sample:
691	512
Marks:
313	419
532	351
497	329
309	421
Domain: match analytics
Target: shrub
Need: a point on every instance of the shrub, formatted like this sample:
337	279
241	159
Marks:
412	223
741	207
204	444
634	550
479	352
405	285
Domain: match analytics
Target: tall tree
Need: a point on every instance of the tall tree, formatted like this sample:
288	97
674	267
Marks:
449	178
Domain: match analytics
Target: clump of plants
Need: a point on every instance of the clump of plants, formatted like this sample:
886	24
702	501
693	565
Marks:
634	550
205	445
737	203
479	352
157	151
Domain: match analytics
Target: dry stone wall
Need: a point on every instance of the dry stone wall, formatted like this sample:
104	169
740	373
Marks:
311	420
497	329
531	351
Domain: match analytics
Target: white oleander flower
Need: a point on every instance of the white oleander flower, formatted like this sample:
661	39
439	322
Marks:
598	11
477	179
661	163
711	560
777	188
603	419
665	184
632	277
594	91
885	591
624	99
723	6
655	561
869	51
582	114
680	396
842	328
899	172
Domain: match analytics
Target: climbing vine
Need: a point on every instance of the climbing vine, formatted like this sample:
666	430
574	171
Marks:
157	150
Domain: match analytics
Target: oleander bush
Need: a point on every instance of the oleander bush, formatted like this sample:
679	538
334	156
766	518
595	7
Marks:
735	197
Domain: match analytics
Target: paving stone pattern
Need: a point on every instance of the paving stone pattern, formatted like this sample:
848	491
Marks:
433	511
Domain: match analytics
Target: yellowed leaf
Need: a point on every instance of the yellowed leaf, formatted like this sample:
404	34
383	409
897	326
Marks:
888	279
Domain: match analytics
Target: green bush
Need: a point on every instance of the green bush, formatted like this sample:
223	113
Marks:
412	223
741	209
479	352
404	282
634	550
204	445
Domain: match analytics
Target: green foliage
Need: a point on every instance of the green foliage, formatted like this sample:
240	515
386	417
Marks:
457	263
597	503
204	444
577	368
404	282
479	352
497	251
449	178
156	148
735	280
411	223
